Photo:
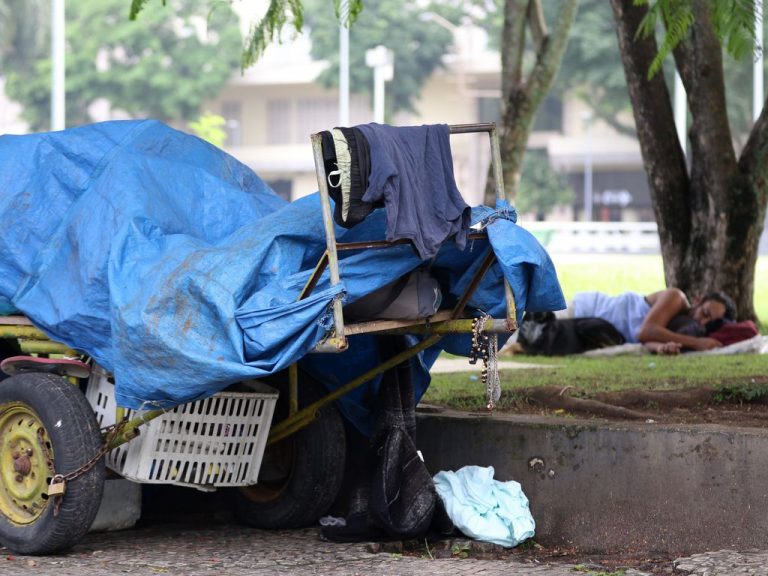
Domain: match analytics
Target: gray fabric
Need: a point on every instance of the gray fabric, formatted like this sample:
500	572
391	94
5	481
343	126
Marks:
412	172
409	298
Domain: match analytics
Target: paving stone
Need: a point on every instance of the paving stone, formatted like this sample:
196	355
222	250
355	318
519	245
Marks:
183	550
237	551
724	563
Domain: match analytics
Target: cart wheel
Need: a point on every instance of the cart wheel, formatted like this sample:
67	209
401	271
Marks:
301	475
42	418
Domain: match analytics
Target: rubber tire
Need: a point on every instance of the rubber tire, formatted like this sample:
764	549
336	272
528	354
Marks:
75	437
315	469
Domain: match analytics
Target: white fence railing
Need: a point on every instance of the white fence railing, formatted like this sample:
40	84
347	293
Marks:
596	237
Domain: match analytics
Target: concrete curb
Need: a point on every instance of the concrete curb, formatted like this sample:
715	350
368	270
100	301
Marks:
609	487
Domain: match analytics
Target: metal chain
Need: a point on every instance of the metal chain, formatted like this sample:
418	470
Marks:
485	347
493	385
109	433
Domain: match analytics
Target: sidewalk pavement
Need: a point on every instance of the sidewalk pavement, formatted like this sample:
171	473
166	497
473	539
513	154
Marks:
228	550
238	551
444	365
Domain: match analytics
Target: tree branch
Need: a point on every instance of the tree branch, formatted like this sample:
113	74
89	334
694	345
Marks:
513	47
551	52
537	23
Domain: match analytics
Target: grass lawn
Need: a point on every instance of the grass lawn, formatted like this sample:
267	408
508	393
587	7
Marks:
744	375
614	274
738	376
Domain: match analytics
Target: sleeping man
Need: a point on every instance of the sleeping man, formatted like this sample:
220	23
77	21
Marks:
647	319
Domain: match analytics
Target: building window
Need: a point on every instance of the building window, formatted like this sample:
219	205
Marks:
315	115
549	117
279	122
489	110
233	116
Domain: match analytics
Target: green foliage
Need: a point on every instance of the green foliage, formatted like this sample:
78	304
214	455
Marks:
210	127
541	188
281	13
268	29
741	393
354	7
733	21
592	70
592	67
137	6
24	29
418	47
163	66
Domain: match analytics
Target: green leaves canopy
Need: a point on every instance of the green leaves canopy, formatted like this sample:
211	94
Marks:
733	22
163	66
23	27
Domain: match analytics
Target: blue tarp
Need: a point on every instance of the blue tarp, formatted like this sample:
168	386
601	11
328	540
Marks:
176	267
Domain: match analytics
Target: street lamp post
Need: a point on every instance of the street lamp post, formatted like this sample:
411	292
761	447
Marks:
58	115
587	117
381	60
344	63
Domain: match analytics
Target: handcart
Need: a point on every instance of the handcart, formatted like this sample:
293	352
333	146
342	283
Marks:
279	443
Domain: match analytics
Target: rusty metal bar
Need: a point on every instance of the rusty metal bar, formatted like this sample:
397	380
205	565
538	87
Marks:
291	424
315	277
490	258
331	345
493	326
25	332
129	430
498	181
511	306
383	325
470	128
45	347
293	389
330	236
386	244
498	171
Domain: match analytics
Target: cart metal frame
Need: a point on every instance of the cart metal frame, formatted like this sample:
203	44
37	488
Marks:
34	341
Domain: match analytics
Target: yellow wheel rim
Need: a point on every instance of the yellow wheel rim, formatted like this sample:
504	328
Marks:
25	469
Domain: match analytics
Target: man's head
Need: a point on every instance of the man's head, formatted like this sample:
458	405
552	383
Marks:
713	306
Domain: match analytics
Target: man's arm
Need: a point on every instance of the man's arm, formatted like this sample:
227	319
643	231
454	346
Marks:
665	305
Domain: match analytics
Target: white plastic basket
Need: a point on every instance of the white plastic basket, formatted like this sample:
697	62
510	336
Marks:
215	442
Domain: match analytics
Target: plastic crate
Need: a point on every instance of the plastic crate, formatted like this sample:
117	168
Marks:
215	442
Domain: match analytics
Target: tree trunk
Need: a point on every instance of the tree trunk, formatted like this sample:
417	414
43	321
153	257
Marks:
521	95
709	220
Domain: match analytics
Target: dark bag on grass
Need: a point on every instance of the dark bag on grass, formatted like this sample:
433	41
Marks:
542	333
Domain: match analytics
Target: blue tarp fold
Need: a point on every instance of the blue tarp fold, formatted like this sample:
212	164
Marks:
178	269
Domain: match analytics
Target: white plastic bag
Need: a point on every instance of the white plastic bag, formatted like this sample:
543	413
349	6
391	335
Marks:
484	508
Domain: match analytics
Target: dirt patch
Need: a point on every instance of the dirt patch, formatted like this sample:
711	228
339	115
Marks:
735	405
530	552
